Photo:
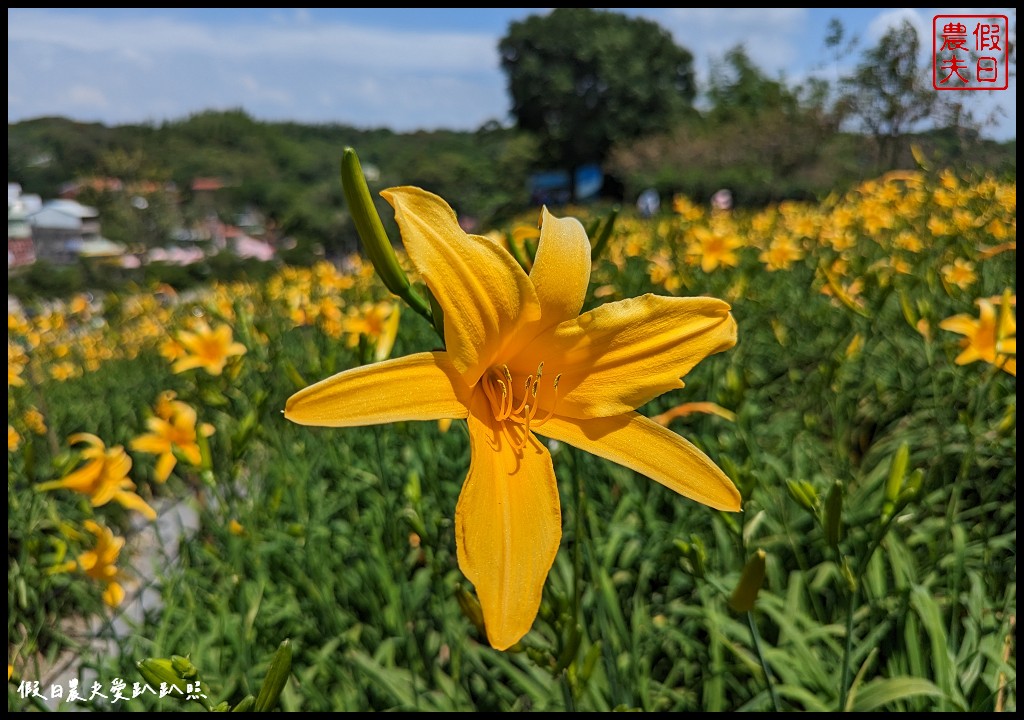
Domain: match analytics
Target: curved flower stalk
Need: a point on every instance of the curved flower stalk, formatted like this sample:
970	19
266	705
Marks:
522	361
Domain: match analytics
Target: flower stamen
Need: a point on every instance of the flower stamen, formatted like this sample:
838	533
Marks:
518	419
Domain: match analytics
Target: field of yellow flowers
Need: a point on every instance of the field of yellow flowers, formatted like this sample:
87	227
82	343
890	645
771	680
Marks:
164	510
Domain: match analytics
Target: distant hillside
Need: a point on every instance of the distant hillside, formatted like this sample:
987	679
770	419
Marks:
287	170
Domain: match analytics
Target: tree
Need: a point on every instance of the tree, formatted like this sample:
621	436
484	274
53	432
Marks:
583	79
890	90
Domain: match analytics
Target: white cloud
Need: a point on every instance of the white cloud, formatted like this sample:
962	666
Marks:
770	36
324	42
87	97
295	65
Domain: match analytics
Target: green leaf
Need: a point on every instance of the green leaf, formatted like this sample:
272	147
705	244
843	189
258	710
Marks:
879	693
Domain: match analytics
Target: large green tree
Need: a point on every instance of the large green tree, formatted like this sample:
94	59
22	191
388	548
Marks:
890	90
582	79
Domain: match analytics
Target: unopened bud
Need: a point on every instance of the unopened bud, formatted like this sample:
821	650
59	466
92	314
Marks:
371	231
804	494
470	607
277	675
751	580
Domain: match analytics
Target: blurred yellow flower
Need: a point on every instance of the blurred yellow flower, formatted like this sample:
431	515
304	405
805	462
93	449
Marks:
100	563
16	361
960	273
34	421
378	323
207	348
173	428
13	439
507	333
713	247
171	350
985	338
104	477
781	254
64	371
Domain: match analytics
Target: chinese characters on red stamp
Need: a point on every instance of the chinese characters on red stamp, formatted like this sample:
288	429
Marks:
970	52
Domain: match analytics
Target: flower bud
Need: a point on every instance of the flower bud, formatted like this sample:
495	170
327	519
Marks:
371	231
751	580
470	607
277	675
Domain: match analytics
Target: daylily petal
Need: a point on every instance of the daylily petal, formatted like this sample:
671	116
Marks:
151	443
561	270
191	453
485	295
118	463
82	480
164	465
640	444
424	386
508	525
188	362
962	324
131	501
113	596
87	560
620	355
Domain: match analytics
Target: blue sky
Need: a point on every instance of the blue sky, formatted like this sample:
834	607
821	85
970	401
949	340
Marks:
403	68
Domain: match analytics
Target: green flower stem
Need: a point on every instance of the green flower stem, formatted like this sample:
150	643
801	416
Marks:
756	637
844	682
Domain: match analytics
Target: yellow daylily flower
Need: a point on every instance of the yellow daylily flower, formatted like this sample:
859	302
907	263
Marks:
985	338
207	348
378	323
521	359
104	477
100	563
172	428
713	247
959	273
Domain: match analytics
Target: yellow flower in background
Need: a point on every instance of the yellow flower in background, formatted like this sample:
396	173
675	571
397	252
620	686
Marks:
378	323
17	359
100	563
986	338
171	350
520	360
960	273
781	254
713	247
34	420
104	477
207	348
13	439
173	428
686	208
64	371
906	240
662	272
